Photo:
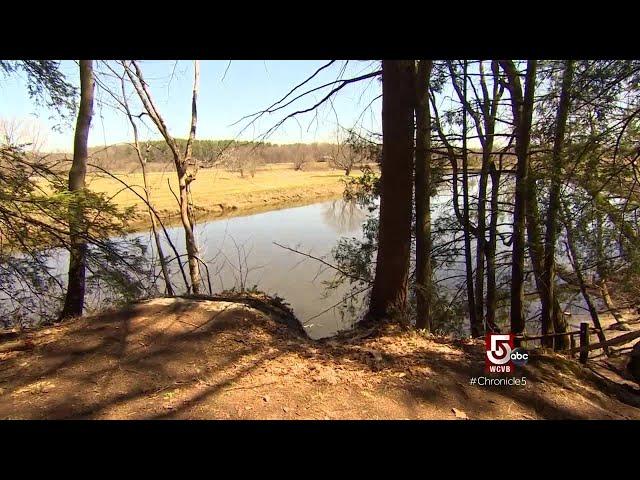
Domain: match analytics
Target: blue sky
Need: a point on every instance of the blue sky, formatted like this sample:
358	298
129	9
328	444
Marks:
247	87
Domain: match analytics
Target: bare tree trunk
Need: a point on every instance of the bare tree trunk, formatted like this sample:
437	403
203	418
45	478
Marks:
147	192
522	108
389	292
423	196
476	325
481	239
490	251
555	316
536	252
487	249
154	224
74	300
453	160
185	180
575	263
181	163
483	112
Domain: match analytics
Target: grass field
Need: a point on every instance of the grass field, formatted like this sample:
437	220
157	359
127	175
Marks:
217	192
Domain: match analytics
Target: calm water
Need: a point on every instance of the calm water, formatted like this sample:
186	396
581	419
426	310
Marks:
240	251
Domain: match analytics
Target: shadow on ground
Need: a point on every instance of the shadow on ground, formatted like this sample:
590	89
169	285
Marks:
184	358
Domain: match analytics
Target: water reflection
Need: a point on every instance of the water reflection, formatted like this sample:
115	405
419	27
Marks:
240	253
344	217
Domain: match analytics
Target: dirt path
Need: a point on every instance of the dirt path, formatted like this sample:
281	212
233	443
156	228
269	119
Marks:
178	358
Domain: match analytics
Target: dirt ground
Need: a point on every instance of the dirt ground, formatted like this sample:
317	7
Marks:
219	193
194	359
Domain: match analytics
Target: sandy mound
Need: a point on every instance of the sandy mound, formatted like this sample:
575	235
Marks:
186	358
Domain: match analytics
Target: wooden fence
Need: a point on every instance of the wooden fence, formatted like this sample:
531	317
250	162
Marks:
584	346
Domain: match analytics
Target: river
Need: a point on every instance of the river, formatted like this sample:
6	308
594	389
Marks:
241	252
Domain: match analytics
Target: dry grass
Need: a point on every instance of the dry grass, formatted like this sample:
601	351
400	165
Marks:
217	192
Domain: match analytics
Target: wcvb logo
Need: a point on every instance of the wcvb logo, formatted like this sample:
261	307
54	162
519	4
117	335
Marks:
500	355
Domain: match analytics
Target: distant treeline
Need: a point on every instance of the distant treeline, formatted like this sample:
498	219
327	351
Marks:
210	153
231	153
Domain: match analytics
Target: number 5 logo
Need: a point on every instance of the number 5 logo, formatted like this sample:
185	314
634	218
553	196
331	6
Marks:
499	348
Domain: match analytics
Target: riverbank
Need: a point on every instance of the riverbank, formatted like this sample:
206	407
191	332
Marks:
204	359
218	193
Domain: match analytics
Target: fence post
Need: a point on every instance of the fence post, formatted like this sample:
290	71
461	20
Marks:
584	342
